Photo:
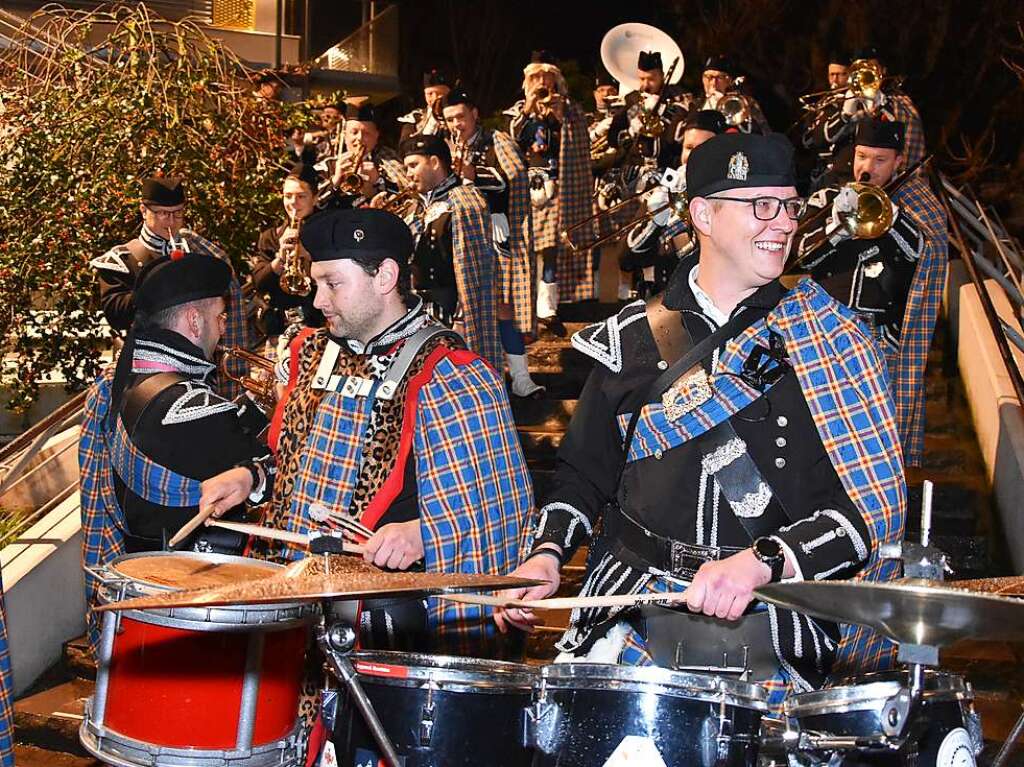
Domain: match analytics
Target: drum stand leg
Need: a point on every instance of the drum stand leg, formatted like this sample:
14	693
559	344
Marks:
1011	741
337	641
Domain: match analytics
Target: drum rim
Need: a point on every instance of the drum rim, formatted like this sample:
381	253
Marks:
680	684
873	693
447	670
211	557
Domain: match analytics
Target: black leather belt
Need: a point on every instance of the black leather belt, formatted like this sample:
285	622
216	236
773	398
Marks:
635	544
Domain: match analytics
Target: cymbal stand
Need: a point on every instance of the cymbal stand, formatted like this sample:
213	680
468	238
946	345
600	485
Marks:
336	641
1011	740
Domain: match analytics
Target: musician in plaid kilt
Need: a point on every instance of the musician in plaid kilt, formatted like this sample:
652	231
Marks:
552	134
388	419
732	435
893	282
490	162
454	267
163	213
154	428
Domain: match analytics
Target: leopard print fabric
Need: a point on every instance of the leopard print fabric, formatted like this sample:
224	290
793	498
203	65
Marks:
381	451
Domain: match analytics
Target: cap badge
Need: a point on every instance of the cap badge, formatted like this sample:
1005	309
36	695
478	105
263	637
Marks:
358	235
738	167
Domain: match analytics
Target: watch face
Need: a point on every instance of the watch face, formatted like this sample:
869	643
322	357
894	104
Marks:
767	548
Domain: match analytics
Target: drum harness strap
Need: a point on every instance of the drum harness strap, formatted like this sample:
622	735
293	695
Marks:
724	454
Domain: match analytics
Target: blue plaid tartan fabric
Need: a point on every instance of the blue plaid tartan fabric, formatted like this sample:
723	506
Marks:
155	483
517	274
476	272
903	109
844	382
103	522
473	488
575	203
917	199
6	690
475	492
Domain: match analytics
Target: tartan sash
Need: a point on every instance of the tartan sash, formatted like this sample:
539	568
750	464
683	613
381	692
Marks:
151	481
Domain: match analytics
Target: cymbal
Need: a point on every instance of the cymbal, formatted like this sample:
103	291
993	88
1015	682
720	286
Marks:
1007	586
313	588
907	611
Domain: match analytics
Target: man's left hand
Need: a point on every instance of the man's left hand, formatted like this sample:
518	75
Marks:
724	588
395	546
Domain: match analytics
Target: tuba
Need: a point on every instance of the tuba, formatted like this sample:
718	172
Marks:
621	46
264	387
294	279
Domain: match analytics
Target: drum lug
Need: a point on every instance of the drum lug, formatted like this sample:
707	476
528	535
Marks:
427	716
540	726
896	713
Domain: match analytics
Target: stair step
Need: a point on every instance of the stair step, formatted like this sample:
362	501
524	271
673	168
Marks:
33	756
50	719
77	660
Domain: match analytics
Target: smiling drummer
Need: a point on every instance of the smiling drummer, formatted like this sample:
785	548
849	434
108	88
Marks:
760	446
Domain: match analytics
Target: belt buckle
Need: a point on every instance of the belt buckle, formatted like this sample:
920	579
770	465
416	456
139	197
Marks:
678	557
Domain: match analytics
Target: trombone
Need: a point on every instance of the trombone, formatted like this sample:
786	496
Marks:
864	80
263	388
677	201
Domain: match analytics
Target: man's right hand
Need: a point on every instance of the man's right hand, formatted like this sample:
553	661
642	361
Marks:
542	568
226	490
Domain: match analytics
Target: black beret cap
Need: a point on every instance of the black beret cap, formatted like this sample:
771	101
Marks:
362	112
883	134
867	52
456	97
720	63
542	57
648	61
364	233
602	77
178	279
839	55
163	191
435	77
426	144
304	171
739	161
706	119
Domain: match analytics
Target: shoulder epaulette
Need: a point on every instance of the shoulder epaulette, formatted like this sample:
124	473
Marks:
196	402
602	341
113	260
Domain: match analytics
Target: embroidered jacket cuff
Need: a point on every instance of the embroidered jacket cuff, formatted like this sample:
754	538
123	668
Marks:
825	545
564	525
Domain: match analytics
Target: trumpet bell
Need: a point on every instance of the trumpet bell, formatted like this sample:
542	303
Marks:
621	47
873	217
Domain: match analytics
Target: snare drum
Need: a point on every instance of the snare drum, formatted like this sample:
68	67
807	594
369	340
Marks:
438	711
944	732
588	714
199	686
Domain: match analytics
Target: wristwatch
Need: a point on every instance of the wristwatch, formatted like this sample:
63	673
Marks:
769	551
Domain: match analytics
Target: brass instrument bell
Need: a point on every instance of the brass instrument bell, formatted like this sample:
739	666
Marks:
294	277
264	387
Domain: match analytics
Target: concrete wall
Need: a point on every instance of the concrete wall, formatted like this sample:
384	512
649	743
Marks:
995	409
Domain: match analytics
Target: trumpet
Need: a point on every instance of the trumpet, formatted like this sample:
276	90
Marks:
543	101
294	279
352	182
400	202
263	388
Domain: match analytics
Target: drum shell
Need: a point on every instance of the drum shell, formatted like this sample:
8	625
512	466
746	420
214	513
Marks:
439	711
225	681
855	708
583	712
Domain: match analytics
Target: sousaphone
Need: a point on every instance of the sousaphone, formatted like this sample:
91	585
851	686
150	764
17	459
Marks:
621	47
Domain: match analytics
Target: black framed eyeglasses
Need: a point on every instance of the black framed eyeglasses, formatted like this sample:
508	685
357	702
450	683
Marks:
767	208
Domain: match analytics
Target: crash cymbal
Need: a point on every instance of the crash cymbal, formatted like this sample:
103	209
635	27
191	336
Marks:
313	588
1008	586
908	612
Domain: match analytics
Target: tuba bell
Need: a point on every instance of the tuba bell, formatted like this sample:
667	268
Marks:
621	46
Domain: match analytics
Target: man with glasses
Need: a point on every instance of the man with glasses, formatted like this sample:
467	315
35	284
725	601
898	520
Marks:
155	428
163	234
732	434
720	79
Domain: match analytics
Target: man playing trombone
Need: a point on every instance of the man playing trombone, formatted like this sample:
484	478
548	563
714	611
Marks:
894	279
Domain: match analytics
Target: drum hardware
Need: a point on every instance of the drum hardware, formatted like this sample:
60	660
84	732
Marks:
337	641
741	672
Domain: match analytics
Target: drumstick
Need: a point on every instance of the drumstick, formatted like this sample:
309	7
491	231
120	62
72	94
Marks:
273	534
563	603
190	527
